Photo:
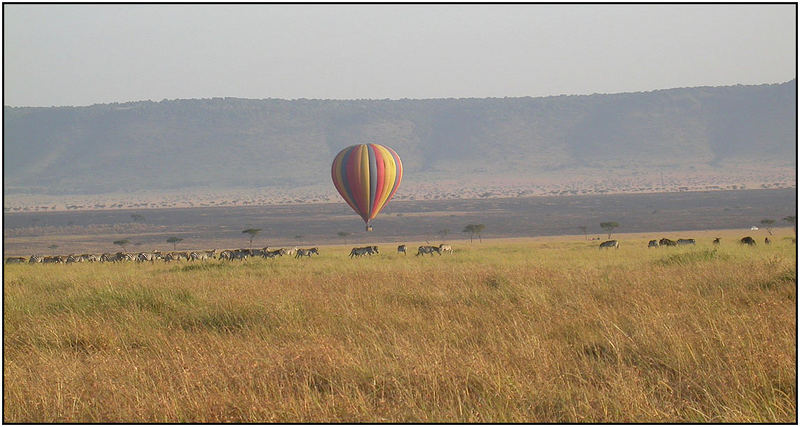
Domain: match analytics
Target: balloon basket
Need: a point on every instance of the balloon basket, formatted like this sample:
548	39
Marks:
369	228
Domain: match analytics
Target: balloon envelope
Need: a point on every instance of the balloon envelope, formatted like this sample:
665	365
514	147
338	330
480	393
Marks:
367	176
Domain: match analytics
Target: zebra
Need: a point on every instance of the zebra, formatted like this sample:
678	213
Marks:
176	256
445	248
652	244
226	254
35	259
767	241
366	250
422	250
198	256
716	240
306	252
667	242
274	253
401	248
609	244
147	256
685	241
16	260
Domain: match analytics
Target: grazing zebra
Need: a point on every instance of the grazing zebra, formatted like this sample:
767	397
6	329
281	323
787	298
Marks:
57	259
716	240
226	254
198	256
16	260
609	244
747	241
422	250
366	250
667	242
445	248
685	241
176	256
652	244
35	259
306	252
401	248
273	254
147	256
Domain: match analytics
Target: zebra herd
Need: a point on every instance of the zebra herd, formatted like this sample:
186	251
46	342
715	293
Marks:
230	255
227	255
681	242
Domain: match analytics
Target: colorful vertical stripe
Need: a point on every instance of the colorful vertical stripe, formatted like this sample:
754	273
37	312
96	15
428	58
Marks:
367	176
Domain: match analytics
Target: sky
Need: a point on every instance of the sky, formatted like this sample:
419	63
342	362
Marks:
71	55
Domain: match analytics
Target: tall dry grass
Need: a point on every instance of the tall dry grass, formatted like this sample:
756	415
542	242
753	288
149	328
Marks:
530	331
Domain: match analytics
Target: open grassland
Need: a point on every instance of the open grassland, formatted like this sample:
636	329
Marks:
551	330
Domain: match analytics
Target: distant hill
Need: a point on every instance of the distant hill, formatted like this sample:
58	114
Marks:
234	143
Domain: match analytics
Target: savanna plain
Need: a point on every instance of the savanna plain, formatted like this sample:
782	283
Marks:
516	330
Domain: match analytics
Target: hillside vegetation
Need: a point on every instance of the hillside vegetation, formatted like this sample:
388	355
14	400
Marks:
242	143
525	331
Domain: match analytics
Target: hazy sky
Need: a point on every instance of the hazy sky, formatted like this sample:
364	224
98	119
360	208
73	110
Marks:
86	54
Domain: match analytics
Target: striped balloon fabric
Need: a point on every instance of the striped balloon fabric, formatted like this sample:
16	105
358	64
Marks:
367	176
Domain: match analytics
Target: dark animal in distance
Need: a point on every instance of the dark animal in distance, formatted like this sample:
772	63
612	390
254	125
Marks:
609	244
401	248
716	240
747	241
652	244
685	241
767	241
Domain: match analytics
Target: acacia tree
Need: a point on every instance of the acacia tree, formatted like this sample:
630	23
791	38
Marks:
252	232
767	223
174	241
474	229
122	243
609	227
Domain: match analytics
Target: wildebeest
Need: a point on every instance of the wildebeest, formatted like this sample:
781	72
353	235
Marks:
747	241
767	241
306	252
609	244
667	242
422	250
401	248
652	244
685	241
445	248
716	241
366	250
15	260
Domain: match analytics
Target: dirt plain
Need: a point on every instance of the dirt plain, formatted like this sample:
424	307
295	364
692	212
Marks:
432	220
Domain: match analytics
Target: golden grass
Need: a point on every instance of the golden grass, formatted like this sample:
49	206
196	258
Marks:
511	331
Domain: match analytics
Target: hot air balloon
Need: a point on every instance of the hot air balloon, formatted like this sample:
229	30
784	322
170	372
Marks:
367	176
